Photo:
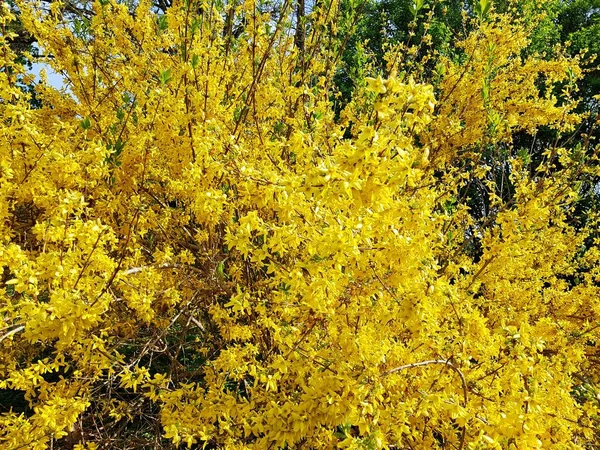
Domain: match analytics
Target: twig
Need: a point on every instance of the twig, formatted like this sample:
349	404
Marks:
447	363
384	285
11	332
198	324
479	272
139	269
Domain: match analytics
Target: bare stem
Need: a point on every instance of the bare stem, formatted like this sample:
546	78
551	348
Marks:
11	332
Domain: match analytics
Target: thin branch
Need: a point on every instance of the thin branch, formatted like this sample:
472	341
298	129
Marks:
447	363
198	324
389	291
135	270
87	261
11	332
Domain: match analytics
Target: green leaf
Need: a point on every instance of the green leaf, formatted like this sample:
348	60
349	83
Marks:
413	9
486	5
86	124
416	6
482	8
221	270
485	90
196	24
524	155
118	147
162	23
165	76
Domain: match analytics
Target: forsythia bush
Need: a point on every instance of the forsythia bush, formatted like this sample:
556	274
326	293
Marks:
201	246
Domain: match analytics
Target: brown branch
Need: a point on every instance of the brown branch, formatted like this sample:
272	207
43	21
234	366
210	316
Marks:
447	363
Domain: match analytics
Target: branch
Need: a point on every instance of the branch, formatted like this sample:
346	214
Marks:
11	332
135	270
447	363
198	324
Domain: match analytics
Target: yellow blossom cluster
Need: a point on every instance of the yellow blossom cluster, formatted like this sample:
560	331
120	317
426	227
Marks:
192	235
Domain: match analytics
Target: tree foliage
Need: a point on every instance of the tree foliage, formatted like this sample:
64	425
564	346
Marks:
203	245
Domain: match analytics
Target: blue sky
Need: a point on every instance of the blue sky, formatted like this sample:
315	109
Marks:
54	79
